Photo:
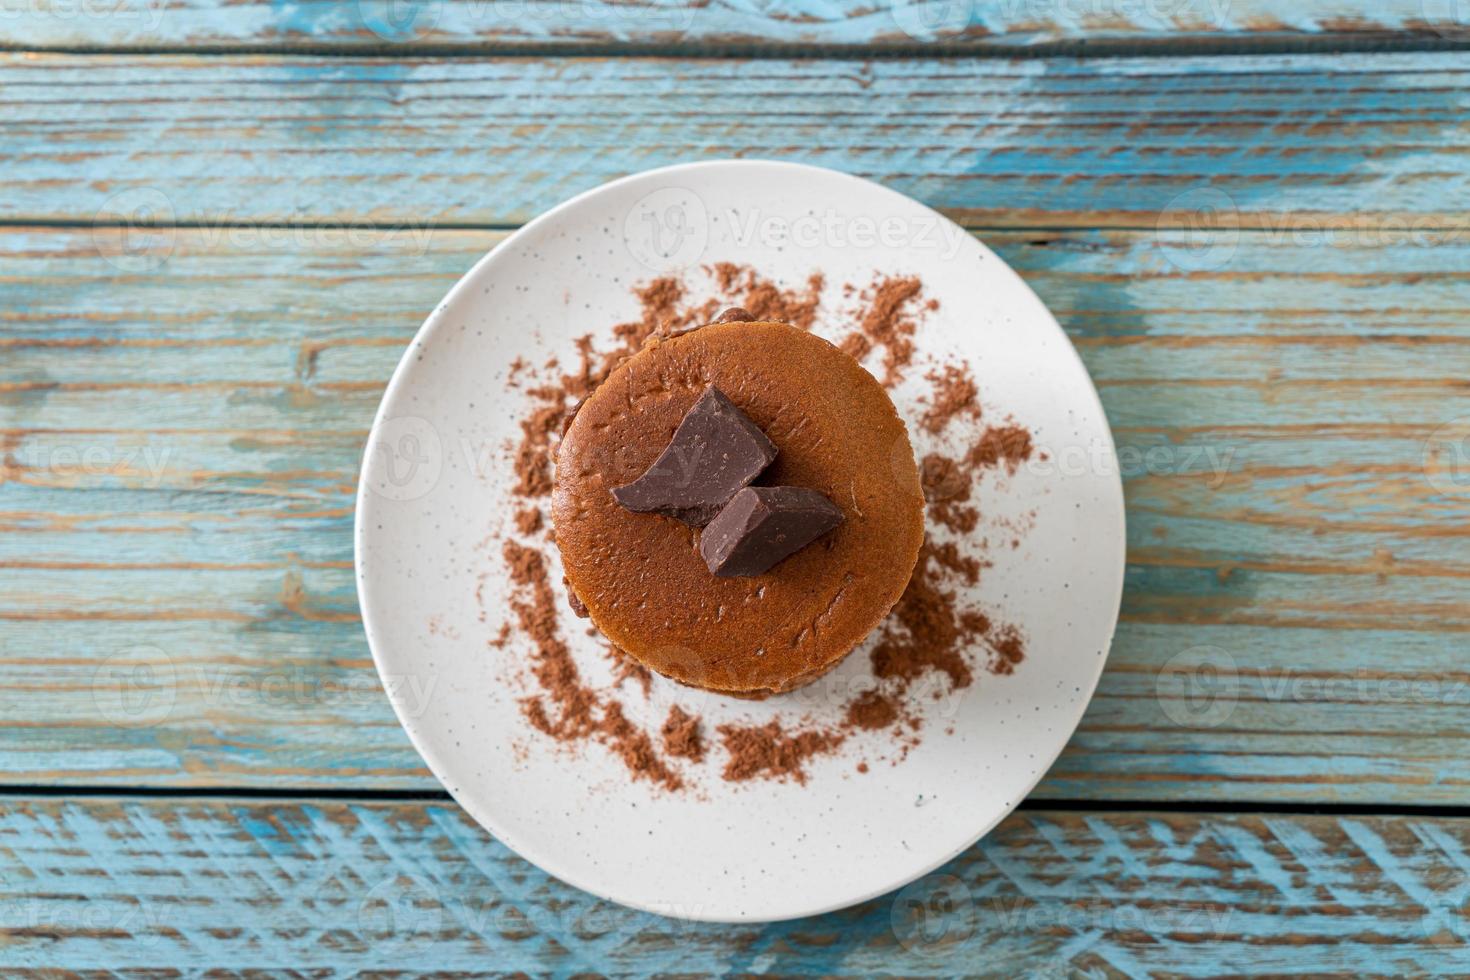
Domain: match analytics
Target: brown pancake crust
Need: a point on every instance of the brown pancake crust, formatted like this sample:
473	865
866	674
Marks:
641	576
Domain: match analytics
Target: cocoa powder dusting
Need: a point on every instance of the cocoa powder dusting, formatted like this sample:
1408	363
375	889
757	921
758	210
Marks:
635	748
930	631
887	322
513	378
683	735
626	668
528	521
949	482
769	752
947	489
533	461
1008	444
1009	648
955	395
925	632
572	709
872	711
949	557
568	710
767	301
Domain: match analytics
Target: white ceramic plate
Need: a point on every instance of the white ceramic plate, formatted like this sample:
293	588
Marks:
436	485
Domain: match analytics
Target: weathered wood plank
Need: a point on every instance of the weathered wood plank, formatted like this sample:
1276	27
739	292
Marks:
1334	598
1099	142
292	702
499	24
180	447
341	887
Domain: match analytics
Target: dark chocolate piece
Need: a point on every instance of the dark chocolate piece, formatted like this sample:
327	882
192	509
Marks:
736	314
579	608
762	526
715	452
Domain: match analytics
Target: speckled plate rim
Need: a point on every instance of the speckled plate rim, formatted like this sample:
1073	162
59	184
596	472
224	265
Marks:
548	861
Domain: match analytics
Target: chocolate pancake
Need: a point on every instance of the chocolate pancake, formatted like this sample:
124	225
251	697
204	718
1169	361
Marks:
640	575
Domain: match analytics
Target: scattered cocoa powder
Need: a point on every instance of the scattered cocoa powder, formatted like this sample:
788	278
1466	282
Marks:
528	521
1008	444
949	483
872	711
684	735
568	710
943	478
769	752
925	632
929	631
935	626
949	557
535	609
1010	649
955	394
635	748
533	460
975	623
626	668
947	487
887	322
767	301
958	517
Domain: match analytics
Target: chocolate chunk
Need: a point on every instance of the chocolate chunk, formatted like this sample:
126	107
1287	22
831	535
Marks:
735	314
566	423
579	608
762	526
716	451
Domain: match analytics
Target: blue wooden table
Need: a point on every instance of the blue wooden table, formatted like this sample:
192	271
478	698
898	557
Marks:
224	219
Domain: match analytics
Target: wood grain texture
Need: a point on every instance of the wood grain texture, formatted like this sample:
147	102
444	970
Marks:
979	25
138	140
182	412
182	421
335	888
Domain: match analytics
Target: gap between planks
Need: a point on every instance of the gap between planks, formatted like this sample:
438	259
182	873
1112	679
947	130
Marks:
1440	811
1074	48
1266	224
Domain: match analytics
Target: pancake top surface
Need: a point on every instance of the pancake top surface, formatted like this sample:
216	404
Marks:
641	576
